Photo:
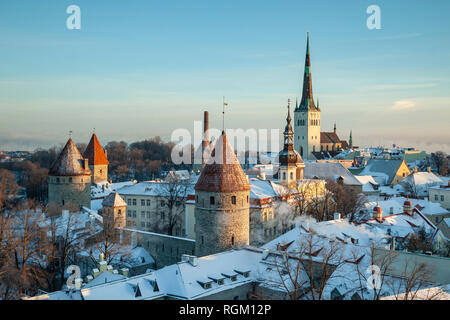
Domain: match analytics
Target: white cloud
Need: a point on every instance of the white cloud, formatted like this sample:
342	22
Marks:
403	105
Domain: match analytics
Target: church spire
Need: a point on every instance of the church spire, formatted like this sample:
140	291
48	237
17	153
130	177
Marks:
307	101
350	141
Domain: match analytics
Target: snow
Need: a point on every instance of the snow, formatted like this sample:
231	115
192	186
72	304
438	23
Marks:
368	183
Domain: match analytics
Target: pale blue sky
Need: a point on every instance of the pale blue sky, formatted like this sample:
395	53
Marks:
137	69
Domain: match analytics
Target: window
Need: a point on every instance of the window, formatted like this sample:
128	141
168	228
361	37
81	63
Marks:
142	214
134	202
211	200
142	202
101	171
57	180
233	199
436	197
148	214
284	175
442	198
292	175
203	240
129	202
161	203
134	213
148	203
143	224
70	180
129	213
162	216
247	199
119	212
232	240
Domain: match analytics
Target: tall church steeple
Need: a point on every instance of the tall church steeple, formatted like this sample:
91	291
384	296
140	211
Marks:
307	116
307	102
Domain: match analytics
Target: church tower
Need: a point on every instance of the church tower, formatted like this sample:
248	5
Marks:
98	163
307	116
291	163
69	178
222	196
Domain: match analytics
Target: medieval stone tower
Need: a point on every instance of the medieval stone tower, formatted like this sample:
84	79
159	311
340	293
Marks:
307	116
98	162
114	211
222	196
291	163
69	178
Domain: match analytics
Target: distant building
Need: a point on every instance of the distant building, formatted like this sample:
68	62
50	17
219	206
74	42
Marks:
114	210
417	183
332	171
440	194
386	172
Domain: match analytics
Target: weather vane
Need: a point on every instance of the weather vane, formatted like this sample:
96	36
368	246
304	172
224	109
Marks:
223	113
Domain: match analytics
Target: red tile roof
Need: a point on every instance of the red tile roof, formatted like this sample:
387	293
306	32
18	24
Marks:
222	172
94	152
70	162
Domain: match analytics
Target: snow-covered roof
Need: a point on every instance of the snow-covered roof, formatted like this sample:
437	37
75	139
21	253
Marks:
150	188
368	183
382	168
327	170
426	207
114	200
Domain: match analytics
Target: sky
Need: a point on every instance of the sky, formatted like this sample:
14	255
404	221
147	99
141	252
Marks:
138	69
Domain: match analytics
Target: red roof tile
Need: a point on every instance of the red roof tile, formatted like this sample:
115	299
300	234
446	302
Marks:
94	152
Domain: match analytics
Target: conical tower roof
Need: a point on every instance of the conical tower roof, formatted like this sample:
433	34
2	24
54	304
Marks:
222	173
94	152
114	200
70	162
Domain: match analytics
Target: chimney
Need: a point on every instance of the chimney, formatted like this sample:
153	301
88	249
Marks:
393	244
416	169
124	272
378	213
86	164
106	153
263	175
407	207
429	170
337	216
193	260
205	127
184	258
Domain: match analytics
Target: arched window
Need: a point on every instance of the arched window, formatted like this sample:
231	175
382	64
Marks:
292	175
232	240
284	175
301	151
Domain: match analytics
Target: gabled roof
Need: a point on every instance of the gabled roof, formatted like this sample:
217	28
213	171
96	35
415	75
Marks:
329	137
329	170
94	152
222	173
386	168
70	162
114	200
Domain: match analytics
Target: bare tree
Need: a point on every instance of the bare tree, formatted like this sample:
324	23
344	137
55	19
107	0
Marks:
346	200
107	242
305	271
8	189
28	249
382	260
174	191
